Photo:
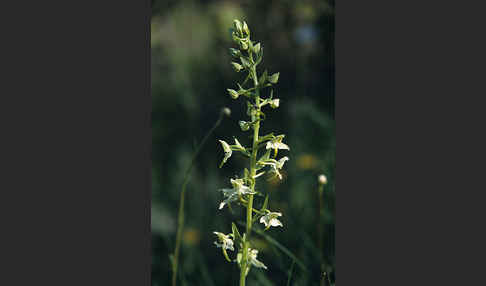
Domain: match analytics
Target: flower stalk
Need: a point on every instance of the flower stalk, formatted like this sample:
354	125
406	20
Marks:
250	54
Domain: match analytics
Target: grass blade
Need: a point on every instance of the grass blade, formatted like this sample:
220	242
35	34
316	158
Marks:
290	272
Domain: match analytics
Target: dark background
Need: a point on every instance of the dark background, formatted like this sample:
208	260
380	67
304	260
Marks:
190	74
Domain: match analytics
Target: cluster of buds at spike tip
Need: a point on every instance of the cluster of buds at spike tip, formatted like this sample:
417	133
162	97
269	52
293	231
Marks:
247	55
241	34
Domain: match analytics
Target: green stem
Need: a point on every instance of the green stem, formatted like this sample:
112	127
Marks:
256	128
180	220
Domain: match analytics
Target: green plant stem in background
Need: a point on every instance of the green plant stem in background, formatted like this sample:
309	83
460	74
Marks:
290	272
320	239
180	220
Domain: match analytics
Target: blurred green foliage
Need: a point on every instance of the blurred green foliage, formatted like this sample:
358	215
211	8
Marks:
190	74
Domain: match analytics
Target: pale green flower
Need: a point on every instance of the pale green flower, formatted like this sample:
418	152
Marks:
233	93
224	241
236	66
276	143
270	219
274	78
252	258
239	189
275	165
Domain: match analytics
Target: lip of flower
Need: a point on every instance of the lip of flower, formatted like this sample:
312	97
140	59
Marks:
276	143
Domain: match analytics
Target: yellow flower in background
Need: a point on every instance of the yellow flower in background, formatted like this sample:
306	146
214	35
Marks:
306	162
191	236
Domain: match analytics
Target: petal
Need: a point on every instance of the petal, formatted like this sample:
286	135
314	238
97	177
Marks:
221	205
275	222
226	146
269	145
263	220
282	146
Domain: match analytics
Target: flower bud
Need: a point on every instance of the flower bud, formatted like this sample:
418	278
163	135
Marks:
256	48
244	125
226	111
246	63
322	179
233	93
273	78
275	103
243	44
236	66
245	28
237	25
235	53
235	37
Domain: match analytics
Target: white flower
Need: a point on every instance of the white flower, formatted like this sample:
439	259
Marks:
275	103
239	189
270	219
252	258
224	241
276	143
227	151
276	165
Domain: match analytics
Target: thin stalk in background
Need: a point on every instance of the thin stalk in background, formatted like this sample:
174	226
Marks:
180	220
320	236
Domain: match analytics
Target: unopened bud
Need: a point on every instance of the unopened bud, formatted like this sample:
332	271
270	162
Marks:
273	78
226	111
243	45
236	66
235	52
244	125
237	25
322	179
275	103
256	48
233	93
245	28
